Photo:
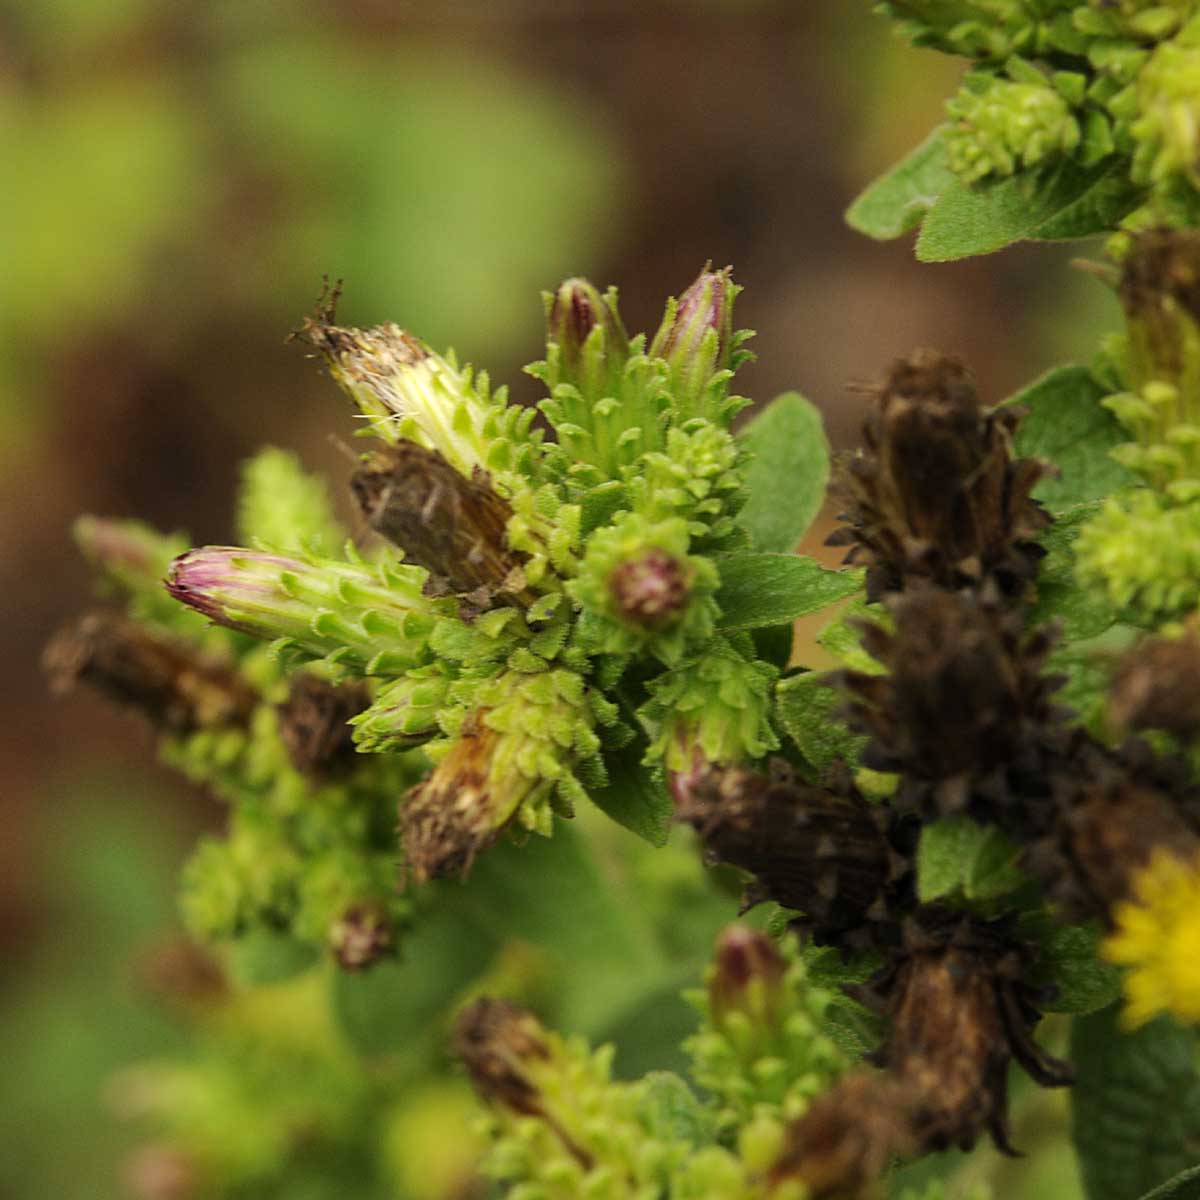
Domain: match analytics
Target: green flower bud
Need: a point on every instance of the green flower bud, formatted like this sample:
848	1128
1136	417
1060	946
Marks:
1000	126
404	713
641	590
747	978
374	617
697	342
983	29
177	688
712	708
586	342
1166	129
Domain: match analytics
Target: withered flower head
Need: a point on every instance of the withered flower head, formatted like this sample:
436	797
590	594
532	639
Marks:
964	713
822	850
178	689
313	724
937	495
1114	809
498	1042
360	937
847	1138
452	526
651	590
458	811
1160	292
959	1013
1157	686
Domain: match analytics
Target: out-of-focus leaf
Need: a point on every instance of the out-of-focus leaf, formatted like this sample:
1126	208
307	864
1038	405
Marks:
1070	962
805	707
787	473
959	856
1067	426
1135	1113
1082	612
635	797
1185	1186
898	200
771	589
1061	202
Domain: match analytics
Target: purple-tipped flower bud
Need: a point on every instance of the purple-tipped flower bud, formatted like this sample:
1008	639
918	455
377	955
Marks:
167	681
452	526
592	343
360	938
697	341
652	589
313	724
747	977
374	616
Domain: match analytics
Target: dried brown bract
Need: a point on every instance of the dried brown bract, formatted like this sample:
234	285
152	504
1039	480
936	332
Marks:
822	850
1114	808
1157	686
965	713
178	689
452	526
937	495
313	724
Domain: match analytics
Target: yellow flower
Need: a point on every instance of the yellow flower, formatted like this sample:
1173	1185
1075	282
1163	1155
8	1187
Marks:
1158	938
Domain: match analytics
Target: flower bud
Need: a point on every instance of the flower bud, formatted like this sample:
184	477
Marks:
406	390
650	590
360	937
499	1043
592	345
697	341
178	689
452	526
313	723
375	617
747	977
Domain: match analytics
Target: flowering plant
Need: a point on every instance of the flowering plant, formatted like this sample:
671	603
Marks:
986	814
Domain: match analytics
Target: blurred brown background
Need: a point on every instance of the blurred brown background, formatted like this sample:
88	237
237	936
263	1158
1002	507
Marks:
177	179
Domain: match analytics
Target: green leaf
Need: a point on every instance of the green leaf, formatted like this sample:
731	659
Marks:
772	589
1067	426
805	710
1083	612
787	472
1135	1113
263	957
897	201
1064	201
956	856
635	796
1185	1186
1070	961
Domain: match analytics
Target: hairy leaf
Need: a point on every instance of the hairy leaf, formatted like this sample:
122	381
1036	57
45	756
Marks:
787	472
771	589
956	856
1135	1111
1061	202
1082	612
805	708
1067	426
898	200
635	797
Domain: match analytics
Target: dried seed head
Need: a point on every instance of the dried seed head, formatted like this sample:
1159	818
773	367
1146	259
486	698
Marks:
847	1138
452	526
821	850
498	1043
651	590
964	714
460	809
178	689
1114	809
360	937
313	724
1157	686
937	495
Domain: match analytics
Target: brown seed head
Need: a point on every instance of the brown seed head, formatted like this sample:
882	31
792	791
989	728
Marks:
178	689
313	724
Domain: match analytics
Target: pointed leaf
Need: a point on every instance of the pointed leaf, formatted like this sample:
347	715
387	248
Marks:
787	472
771	589
898	200
634	796
806	710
